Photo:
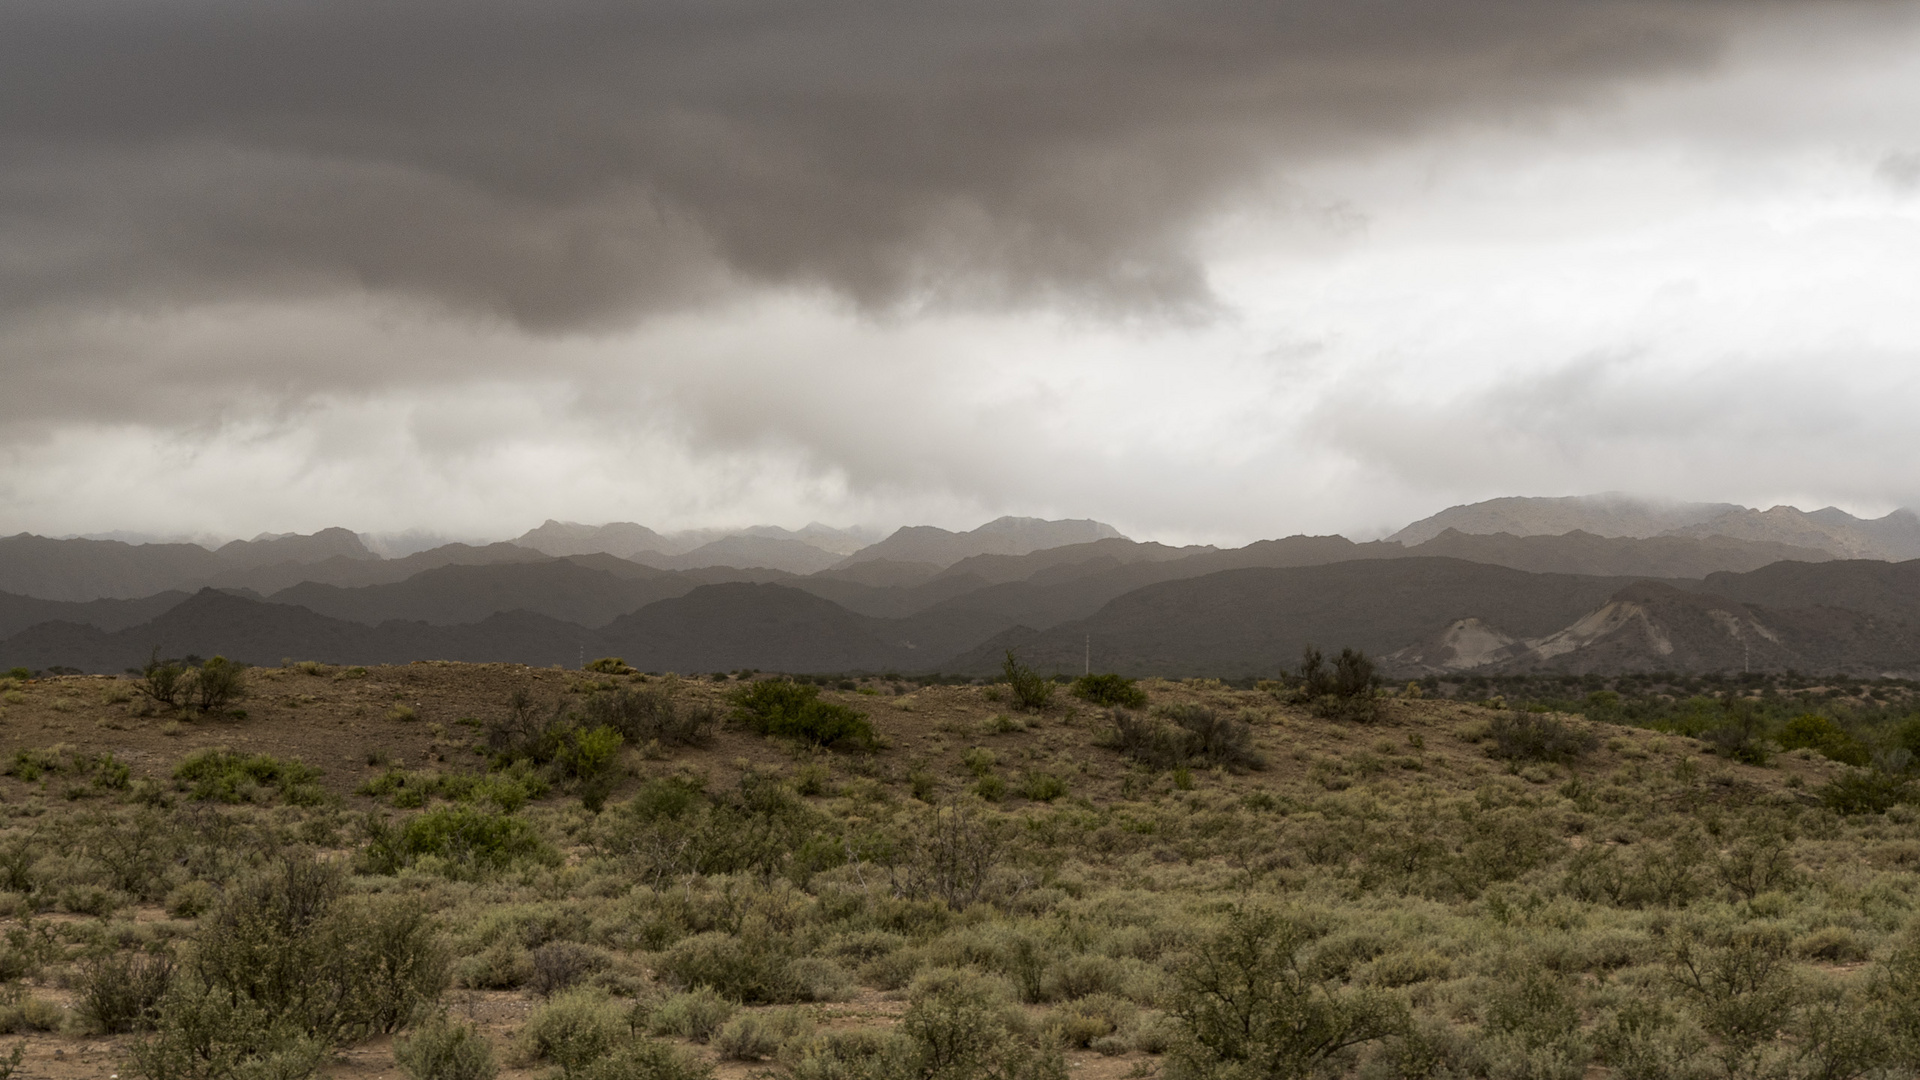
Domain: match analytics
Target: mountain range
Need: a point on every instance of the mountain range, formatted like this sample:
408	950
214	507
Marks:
1062	594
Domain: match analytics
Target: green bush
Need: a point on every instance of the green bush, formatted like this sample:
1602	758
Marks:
1042	786
646	1059
118	992
1031	689
1108	690
1247	1007
1183	735
750	968
558	965
222	775
575	1029
694	1015
1344	691
649	715
468	843
1527	736
216	684
166	682
206	1033
964	1027
792	710
671	828
339	970
1865	791
851	1055
442	1050
756	1036
1811	731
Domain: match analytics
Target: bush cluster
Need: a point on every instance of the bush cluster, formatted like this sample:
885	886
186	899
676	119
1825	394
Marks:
1183	735
793	710
1109	690
1527	736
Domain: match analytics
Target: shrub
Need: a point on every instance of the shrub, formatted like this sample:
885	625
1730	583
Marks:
574	1030
696	1015
1820	734
206	1033
861	1054
1031	689
1341	692
646	1059
758	1036
609	665
1042	786
468	842
793	710
750	968
1246	1007
963	1026
164	681
216	683
442	1050
1527	736
120	992
1108	690
558	965
642	716
222	775
1739	986
1865	791
285	941
1183	735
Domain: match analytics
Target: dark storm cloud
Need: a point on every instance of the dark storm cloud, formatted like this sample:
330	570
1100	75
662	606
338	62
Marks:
576	163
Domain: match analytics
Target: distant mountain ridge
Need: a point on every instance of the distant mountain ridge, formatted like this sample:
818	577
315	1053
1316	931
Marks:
1841	535
1610	514
1001	536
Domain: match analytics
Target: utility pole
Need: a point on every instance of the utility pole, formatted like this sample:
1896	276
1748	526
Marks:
1089	668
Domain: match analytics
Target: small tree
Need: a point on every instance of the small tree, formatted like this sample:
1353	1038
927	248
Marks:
1108	690
1247	1006
1342	691
217	683
1031	689
164	681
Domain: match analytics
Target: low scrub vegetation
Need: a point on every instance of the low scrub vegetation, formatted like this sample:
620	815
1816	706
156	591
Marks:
1210	883
1109	690
794	710
1182	735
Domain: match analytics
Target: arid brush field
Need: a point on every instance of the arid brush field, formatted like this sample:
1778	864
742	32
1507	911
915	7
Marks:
450	870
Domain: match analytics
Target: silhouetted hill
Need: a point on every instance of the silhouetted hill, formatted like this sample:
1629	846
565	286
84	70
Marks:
1002	536
450	595
618	538
792	556
1887	591
1894	537
1655	627
19	612
770	627
881	574
294	548
81	570
353	573
1113	551
1608	514
1256	621
1585	553
215	623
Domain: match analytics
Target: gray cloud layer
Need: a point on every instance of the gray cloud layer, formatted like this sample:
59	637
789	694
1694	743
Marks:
575	164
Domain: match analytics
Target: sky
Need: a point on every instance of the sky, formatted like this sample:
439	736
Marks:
1207	270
